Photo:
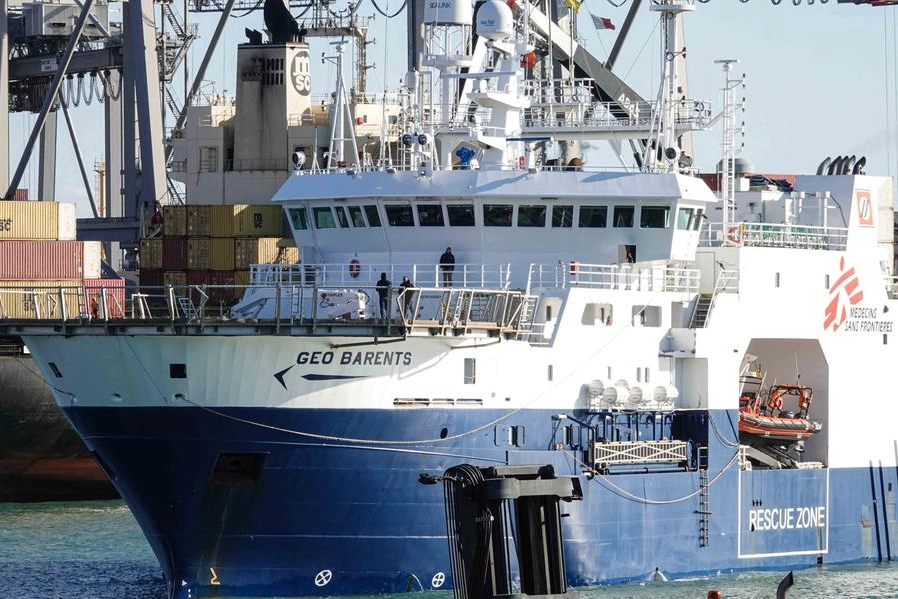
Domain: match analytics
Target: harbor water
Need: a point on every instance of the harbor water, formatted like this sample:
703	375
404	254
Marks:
95	549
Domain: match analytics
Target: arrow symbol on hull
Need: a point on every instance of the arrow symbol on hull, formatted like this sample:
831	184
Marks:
280	376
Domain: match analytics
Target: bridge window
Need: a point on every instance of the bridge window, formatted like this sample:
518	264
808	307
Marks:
697	222
623	216
654	217
341	217
372	214
399	215
430	215
684	218
562	216
298	218
531	216
460	215
497	215
355	213
593	216
324	218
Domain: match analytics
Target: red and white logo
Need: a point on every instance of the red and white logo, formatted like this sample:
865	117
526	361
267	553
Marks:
864	206
845	292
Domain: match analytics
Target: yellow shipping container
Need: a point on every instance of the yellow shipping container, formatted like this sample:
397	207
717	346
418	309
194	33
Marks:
199	220
175	278
151	253
199	250
259	221
241	278
222	219
222	254
289	255
175	221
33	220
254	250
40	299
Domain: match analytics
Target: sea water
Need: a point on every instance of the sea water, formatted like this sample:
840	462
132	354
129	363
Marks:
95	550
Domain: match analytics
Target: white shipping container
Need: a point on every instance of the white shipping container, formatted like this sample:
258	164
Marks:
93	257
67	222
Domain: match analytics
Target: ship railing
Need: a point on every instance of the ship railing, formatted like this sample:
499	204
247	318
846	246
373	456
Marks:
640	276
745	234
356	274
62	303
605	454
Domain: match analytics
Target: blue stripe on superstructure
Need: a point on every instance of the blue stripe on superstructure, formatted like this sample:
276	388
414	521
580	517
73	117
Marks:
338	492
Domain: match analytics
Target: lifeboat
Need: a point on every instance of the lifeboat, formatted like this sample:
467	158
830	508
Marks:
771	419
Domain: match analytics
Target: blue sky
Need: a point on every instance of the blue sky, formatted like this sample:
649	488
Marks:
820	79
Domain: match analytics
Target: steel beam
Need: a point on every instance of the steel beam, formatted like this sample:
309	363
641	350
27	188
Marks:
84	177
141	59
46	181
83	61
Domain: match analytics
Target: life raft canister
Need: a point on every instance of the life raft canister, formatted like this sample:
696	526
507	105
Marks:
355	267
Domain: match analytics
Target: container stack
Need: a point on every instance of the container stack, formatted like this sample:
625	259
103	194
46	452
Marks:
39	255
213	245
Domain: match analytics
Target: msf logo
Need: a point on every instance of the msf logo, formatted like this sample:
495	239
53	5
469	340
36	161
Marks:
845	291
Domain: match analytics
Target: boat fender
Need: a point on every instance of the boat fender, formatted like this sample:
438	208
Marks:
354	268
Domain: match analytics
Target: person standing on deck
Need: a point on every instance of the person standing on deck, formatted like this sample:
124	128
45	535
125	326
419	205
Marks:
383	291
447	265
407	294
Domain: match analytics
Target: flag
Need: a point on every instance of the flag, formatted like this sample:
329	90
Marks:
574	5
602	22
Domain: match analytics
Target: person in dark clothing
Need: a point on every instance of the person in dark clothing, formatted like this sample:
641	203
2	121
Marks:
447	265
407	295
383	291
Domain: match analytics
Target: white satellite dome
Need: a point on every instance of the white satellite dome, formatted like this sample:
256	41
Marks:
495	21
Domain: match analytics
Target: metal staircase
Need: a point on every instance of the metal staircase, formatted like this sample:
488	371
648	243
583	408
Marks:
702	311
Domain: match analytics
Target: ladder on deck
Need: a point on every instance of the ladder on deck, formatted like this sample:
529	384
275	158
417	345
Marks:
702	311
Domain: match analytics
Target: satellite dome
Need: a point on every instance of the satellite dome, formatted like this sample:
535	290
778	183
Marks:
495	21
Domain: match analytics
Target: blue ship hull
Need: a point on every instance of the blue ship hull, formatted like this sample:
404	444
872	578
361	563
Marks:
322	507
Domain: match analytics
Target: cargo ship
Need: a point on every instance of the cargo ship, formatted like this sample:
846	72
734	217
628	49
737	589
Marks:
613	323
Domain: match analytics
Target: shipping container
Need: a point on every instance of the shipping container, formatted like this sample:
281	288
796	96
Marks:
175	278
68	222
241	278
222	217
259	221
41	259
254	250
197	277
198	253
112	290
151	280
222	291
199	220
174	253
42	299
222	257
175	221
93	259
37	220
150	253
